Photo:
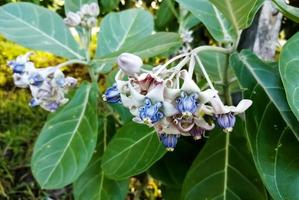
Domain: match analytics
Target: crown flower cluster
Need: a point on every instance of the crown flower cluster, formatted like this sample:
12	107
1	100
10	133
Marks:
169	100
86	17
47	85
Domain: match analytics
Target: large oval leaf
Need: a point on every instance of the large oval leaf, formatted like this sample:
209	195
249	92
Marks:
119	29
165	14
273	146
37	28
289	11
224	169
289	71
250	69
132	150
67	141
239	12
220	28
92	184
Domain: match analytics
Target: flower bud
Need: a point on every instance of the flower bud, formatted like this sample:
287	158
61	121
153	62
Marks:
70	82
91	22
85	10
20	80
112	95
94	9
129	63
169	141
34	102
226	121
197	132
72	19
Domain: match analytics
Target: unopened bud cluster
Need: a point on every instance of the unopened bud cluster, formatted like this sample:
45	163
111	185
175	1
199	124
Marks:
86	17
48	85
169	100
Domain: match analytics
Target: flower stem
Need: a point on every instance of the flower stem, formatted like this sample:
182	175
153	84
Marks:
71	62
204	71
163	67
212	48
105	134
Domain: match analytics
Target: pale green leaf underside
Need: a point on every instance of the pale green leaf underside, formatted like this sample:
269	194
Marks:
239	12
220	28
131	151
150	46
289	71
37	28
75	5
67	141
119	29
224	170
273	146
247	64
93	185
289	11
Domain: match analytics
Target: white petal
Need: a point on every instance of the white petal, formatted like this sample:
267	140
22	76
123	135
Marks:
165	126
156	94
203	124
21	80
207	95
218	106
189	85
242	106
171	93
129	63
169	109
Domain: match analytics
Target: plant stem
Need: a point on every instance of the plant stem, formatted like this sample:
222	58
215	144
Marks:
105	134
226	85
204	71
211	48
70	62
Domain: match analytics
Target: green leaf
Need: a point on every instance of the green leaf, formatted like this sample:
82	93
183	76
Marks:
169	193
250	69
119	30
288	11
75	5
220	28
37	28
289	71
110	4
173	167
224	169
147	47
239	12
67	141
93	185
190	21
165	13
132	150
273	146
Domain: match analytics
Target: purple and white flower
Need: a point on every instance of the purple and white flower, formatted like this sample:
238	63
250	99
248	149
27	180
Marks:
48	85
